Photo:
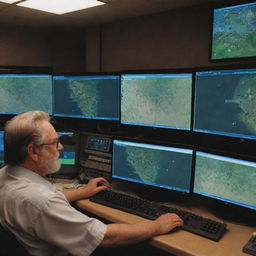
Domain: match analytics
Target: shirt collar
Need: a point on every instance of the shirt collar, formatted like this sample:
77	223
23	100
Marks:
22	172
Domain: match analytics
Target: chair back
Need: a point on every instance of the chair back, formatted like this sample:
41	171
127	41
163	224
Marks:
10	246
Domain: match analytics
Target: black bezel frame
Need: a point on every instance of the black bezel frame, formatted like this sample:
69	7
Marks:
231	59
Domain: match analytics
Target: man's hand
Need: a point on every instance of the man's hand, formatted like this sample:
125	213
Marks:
93	187
124	234
167	222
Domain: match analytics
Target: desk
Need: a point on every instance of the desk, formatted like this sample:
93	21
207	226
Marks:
182	243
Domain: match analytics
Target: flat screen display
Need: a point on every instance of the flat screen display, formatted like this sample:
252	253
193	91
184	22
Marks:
158	166
157	100
1	147
67	157
234	32
224	178
25	92
68	153
225	102
92	97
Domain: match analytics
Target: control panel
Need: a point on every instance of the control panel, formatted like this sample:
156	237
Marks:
95	156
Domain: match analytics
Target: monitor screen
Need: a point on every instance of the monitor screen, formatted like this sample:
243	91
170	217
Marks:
1	147
67	157
25	92
225	178
68	153
157	100
158	166
92	97
234	32
225	102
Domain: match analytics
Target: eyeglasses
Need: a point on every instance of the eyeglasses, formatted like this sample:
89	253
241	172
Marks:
56	143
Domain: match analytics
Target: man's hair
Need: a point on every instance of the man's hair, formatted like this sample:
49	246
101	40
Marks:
21	131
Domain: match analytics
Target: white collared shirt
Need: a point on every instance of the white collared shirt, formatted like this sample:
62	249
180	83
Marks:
41	217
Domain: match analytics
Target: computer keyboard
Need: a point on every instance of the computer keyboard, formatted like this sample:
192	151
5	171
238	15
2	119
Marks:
151	210
250	246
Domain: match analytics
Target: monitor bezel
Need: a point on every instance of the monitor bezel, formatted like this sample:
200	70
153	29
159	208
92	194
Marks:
2	132
26	72
239	137
147	186
181	71
87	74
63	172
74	138
221	208
233	59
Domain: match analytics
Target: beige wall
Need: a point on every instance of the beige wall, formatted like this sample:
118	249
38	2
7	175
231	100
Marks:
169	40
26	47
64	51
93	49
174	39
67	51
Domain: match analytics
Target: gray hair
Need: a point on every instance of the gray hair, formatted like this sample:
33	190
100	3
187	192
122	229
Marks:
21	131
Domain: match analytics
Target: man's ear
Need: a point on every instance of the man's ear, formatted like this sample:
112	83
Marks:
32	151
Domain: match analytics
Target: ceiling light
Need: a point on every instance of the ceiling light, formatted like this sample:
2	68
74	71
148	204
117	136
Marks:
9	1
60	6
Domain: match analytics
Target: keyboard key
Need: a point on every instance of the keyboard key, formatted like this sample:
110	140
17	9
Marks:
151	210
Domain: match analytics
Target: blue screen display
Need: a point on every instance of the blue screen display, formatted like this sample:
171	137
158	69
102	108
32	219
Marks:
68	153
92	97
1	146
225	101
159	166
234	32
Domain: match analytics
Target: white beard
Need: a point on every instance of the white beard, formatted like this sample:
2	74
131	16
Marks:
49	164
54	167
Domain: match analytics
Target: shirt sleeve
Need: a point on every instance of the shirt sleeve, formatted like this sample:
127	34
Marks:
61	225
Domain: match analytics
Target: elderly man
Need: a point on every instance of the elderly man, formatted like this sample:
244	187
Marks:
39	215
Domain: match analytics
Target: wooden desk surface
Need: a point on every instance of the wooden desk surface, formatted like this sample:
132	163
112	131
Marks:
181	243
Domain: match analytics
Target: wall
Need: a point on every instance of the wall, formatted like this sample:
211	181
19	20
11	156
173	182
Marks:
26	47
67	51
174	39
93	49
64	51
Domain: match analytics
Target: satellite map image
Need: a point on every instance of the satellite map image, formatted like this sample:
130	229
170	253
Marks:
225	103
95	98
225	179
20	93
153	165
156	101
234	32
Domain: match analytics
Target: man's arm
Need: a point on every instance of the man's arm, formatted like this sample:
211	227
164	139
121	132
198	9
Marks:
124	234
91	188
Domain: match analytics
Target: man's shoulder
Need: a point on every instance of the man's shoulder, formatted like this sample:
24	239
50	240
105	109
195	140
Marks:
28	189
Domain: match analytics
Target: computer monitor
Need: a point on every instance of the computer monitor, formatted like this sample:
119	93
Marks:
24	92
91	96
224	178
225	102
68	153
234	32
154	165
156	100
1	148
67	156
